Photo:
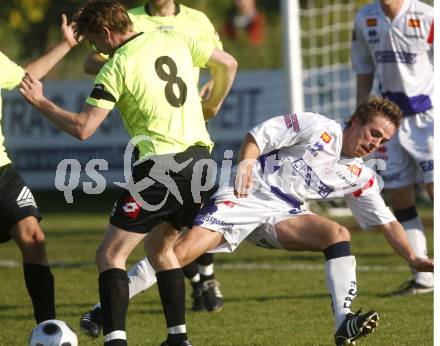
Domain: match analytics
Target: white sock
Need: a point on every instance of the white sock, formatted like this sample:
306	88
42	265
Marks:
195	278
141	276
206	270
341	283
417	240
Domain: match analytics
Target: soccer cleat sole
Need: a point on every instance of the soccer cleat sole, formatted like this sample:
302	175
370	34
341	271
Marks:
368	327
88	333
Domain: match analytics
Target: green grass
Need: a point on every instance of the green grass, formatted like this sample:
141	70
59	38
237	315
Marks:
279	305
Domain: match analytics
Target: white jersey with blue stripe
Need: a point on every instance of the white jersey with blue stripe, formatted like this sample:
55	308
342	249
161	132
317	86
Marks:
399	51
301	160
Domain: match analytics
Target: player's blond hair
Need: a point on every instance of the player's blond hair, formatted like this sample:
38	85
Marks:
97	14
378	106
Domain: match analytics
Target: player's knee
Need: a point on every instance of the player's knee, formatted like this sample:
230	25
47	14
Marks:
182	254
31	241
104	258
340	233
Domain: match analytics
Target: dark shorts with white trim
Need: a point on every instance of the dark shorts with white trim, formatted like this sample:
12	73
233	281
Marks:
16	201
160	202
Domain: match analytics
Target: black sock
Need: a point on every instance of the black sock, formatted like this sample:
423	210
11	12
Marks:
205	260
337	250
190	271
40	285
172	294
113	291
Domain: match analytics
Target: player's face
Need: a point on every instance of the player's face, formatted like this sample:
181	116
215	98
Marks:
362	140
100	42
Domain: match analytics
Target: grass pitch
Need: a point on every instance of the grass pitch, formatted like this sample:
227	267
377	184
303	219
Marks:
271	297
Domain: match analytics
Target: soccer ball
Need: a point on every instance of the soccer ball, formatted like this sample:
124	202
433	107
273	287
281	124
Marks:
53	333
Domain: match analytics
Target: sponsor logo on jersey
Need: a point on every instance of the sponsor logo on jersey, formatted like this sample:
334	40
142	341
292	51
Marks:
390	177
371	22
313	149
356	170
311	178
413	23
326	138
229	204
25	198
131	208
292	121
373	38
389	56
427	166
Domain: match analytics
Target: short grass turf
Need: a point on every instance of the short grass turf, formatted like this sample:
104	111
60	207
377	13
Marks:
272	297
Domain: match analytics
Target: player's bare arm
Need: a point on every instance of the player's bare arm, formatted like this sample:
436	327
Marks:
41	66
249	153
396	237
80	125
223	67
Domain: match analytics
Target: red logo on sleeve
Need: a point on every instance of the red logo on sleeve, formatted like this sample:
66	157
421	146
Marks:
355	170
326	138
371	22
369	184
431	34
414	23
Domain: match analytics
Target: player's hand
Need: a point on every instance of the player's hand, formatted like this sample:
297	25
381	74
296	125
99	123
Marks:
243	179
206	90
68	32
423	264
32	89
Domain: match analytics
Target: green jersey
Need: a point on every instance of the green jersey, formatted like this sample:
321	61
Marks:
192	22
150	79
10	76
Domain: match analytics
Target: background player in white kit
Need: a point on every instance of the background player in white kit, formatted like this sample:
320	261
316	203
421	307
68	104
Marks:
394	40
306	156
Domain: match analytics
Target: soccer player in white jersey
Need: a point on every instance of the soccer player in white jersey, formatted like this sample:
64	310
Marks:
393	39
287	160
19	214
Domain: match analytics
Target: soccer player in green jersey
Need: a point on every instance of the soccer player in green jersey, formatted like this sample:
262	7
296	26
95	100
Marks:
19	214
150	17
150	78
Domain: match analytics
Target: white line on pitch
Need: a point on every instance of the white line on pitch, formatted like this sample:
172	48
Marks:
236	266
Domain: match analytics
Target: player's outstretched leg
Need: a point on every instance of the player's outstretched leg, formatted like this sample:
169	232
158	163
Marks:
340	268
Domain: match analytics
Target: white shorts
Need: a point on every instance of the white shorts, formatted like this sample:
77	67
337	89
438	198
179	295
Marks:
409	154
252	217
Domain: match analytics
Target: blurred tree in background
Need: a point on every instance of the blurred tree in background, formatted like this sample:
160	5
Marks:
30	27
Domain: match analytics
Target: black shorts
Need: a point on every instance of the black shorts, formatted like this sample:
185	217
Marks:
134	216
16	201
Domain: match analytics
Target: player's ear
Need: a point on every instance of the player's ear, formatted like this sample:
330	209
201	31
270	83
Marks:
106	33
355	122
